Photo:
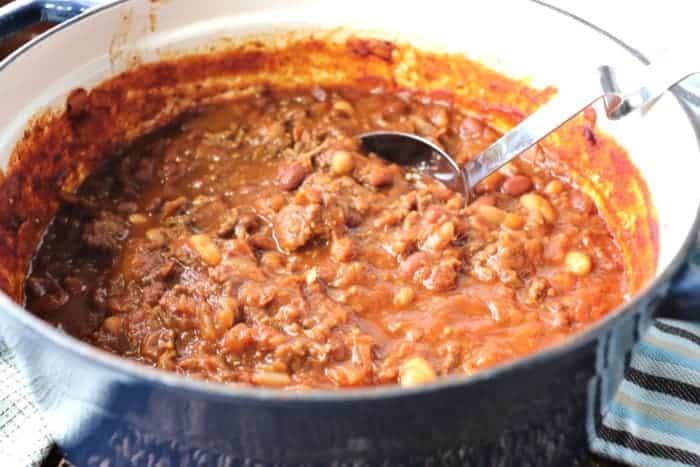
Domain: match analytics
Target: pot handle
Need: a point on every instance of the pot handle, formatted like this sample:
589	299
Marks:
20	14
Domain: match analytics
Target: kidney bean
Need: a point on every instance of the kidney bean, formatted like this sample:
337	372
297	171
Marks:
517	185
290	176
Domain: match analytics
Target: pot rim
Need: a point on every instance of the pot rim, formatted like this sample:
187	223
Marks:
176	382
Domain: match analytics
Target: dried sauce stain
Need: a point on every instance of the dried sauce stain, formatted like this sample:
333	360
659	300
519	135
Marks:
315	323
153	7
118	43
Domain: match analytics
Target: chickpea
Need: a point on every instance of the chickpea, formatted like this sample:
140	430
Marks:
554	187
205	247
156	236
415	371
137	219
536	203
342	163
112	324
578	263
404	296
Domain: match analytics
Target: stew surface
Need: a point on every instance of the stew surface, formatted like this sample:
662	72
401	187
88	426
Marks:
254	243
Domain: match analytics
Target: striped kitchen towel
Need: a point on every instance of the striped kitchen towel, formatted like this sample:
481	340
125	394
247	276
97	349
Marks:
653	418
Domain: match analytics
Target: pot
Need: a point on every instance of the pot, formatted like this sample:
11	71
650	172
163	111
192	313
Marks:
534	411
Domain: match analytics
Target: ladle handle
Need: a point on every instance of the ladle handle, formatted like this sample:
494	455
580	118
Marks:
652	83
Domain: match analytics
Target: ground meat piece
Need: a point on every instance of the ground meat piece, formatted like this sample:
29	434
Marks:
74	285
253	294
294	225
236	270
262	242
380	175
106	232
77	104
581	202
342	249
443	276
470	128
127	207
372	47
237	339
173	206
228	223
152	292
246	224
537	290
47	292
410	265
208	214
143	263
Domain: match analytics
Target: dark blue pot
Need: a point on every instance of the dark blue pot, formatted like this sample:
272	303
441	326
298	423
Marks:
534	411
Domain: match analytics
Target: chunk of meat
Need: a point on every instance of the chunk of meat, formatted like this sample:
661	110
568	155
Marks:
294	225
537	290
372	47
443	276
410	265
380	175
106	232
153	291
342	249
48	293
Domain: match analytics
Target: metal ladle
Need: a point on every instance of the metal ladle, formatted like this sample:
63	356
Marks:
413	151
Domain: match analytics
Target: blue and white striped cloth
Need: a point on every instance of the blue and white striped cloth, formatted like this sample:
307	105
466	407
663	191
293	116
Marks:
653	419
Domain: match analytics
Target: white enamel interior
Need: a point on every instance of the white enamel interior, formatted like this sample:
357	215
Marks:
522	39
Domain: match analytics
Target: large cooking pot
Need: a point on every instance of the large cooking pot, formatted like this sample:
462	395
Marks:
103	410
